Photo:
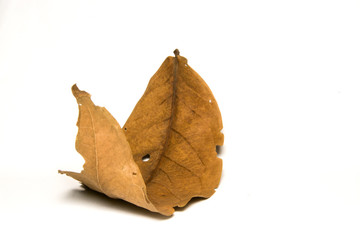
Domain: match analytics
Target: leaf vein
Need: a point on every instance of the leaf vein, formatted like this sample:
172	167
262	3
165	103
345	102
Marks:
181	166
96	154
167	189
151	125
192	110
194	91
167	98
183	137
167	175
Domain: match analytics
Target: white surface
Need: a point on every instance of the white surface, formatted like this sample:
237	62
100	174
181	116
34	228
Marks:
285	74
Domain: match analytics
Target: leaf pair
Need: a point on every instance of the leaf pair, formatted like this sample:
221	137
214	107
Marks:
176	124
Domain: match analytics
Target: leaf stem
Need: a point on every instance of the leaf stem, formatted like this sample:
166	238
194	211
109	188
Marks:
176	52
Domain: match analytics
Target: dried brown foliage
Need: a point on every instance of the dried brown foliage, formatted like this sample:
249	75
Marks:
175	127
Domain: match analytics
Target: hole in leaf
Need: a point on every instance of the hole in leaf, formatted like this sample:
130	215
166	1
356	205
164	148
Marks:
210	101
146	158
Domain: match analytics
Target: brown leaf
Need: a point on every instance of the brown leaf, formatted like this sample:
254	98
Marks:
177	123
109	166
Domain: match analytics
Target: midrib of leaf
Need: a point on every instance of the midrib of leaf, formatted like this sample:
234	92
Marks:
176	64
96	154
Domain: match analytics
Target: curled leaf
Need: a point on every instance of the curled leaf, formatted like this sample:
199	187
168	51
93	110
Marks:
165	154
109	166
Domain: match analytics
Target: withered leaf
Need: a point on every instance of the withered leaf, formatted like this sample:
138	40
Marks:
177	123
172	132
109	166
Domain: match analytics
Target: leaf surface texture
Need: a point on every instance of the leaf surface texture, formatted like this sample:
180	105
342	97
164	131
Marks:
177	122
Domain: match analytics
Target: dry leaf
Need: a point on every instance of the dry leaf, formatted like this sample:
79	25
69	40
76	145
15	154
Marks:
109	166
175	127
177	123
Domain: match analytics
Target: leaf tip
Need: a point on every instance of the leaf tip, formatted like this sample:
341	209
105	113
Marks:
78	93
74	88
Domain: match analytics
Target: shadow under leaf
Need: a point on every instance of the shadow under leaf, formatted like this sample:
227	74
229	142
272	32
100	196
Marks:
85	194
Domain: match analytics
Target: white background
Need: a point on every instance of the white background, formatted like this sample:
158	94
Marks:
286	77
